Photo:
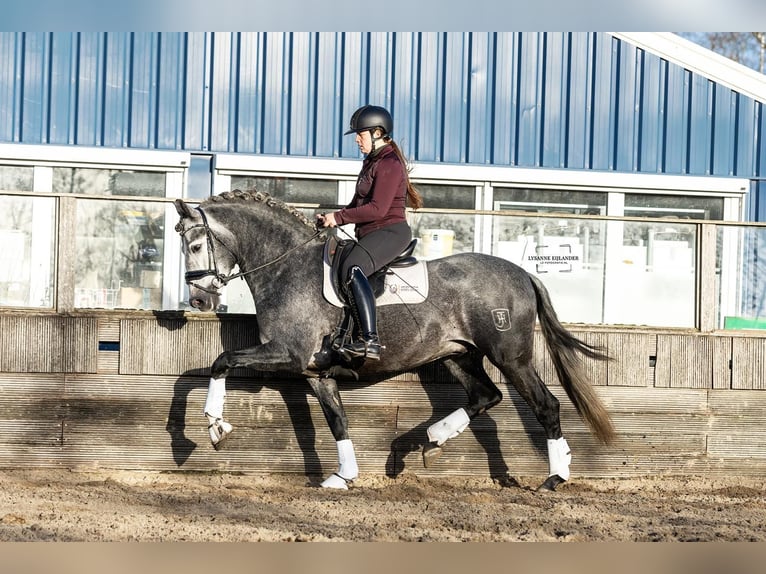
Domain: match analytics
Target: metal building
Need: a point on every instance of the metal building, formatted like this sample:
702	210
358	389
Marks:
647	103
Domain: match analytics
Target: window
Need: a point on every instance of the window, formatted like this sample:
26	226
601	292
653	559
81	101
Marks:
90	181
16	178
673	206
291	189
550	201
27	251
442	234
119	250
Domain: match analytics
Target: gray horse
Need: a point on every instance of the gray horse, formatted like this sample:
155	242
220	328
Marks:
479	306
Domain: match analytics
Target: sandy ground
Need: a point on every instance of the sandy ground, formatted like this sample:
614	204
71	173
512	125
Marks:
64	505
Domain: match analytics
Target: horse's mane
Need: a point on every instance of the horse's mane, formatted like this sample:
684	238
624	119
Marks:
237	195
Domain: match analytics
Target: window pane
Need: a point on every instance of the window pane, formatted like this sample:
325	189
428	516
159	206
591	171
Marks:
16	178
568	255
678	206
27	260
652	278
741	277
595	275
291	190
441	234
550	201
89	181
119	247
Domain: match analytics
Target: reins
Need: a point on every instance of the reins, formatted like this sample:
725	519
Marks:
212	270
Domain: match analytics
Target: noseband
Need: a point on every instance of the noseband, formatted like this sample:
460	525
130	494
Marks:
212	270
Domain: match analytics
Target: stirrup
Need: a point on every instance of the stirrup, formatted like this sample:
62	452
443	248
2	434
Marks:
360	348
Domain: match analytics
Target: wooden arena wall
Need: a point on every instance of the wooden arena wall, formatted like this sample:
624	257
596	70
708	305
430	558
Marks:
126	392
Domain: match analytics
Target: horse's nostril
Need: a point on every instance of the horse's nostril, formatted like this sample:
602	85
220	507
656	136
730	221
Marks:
196	303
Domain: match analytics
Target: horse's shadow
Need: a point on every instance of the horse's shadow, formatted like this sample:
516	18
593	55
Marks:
296	397
486	434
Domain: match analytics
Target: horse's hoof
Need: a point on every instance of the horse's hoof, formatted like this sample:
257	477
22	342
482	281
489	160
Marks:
431	453
550	483
219	431
337	482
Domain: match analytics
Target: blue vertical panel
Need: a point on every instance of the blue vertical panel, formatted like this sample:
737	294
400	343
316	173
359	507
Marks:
455	95
143	90
579	97
171	91
117	90
650	115
196	98
90	89
11	58
326	104
504	100
530	91
601	122
249	73
480	92
746	147
353	86
222	92
274	125
63	84
700	127
676	116
724	131
430	97
626	131
553	114
758	199
404	105
379	70
302	93
35	88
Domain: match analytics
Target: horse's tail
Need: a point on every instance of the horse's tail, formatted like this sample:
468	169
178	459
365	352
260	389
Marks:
564	348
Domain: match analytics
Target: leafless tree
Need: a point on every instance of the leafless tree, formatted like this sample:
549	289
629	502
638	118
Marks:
746	48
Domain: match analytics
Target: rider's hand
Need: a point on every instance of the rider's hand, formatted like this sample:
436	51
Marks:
326	220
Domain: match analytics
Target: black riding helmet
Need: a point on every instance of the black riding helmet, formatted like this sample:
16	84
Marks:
369	118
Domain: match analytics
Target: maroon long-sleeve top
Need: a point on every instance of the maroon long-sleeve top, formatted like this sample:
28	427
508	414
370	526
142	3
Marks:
380	195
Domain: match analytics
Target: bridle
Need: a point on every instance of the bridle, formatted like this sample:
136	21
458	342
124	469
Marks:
192	276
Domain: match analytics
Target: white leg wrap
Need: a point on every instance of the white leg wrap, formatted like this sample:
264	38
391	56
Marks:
216	393
559	457
449	427
347	467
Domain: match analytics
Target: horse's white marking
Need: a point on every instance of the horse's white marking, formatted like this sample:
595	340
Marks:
559	457
449	427
348	470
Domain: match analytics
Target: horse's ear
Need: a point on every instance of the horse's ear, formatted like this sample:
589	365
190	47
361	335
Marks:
182	208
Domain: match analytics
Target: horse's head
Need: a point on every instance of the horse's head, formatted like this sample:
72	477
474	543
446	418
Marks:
209	261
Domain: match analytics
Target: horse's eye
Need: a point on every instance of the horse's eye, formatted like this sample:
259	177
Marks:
195	248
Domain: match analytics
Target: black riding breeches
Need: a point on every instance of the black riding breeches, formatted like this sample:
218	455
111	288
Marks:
377	249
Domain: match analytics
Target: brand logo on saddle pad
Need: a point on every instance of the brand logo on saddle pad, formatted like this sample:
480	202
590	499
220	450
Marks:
502	319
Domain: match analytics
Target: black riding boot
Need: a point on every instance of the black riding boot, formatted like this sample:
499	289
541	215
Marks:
341	331
362	301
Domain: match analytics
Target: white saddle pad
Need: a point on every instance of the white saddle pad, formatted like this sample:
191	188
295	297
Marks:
402	284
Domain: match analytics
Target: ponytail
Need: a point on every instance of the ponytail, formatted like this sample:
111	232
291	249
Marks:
414	199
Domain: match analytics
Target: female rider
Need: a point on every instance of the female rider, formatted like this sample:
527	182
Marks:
378	212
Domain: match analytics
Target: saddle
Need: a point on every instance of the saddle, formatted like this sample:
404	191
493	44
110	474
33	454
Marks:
403	280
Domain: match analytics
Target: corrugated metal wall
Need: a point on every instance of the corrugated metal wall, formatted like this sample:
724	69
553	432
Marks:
558	100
